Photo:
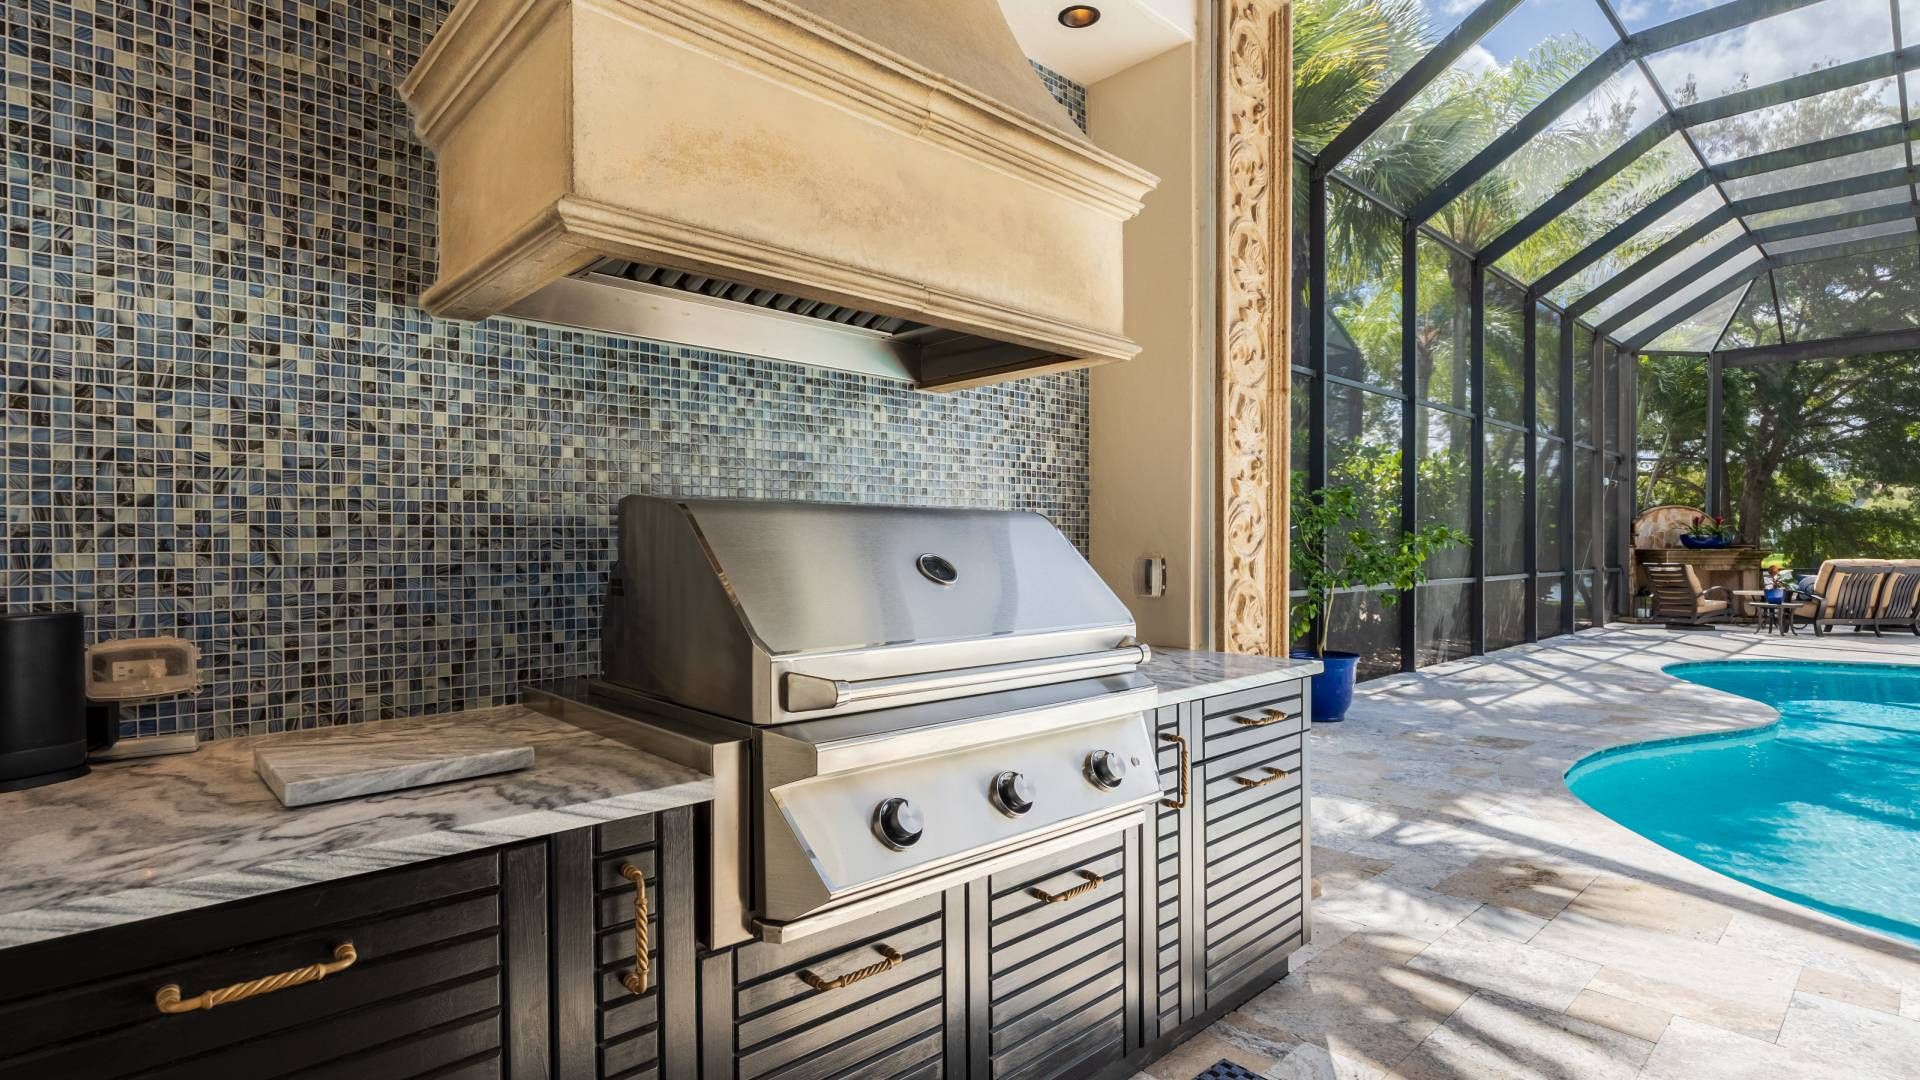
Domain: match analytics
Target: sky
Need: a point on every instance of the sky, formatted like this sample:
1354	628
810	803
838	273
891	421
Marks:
1831	29
1821	34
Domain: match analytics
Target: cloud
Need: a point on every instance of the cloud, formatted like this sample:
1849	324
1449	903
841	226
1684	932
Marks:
1634	12
1829	32
1477	61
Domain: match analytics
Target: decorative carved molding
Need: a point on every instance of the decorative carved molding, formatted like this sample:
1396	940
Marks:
1255	181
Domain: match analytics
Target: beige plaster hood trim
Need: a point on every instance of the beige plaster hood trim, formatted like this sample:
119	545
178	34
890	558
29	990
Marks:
568	131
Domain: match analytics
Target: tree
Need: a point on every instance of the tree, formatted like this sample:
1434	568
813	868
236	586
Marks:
1819	453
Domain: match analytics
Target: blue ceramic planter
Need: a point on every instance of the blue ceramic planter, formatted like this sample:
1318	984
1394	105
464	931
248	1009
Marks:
1333	687
1697	542
1776	596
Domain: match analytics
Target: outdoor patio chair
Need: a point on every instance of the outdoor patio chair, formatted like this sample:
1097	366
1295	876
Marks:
1846	593
1678	597
1900	599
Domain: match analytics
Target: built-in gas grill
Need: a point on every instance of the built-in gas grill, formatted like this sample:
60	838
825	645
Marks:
932	694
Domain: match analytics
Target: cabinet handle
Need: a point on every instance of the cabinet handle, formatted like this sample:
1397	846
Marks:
636	980
170	1001
1267	716
1091	883
892	960
1272	775
1181	802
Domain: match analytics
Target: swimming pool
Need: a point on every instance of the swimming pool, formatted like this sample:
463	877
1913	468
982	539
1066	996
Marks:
1822	808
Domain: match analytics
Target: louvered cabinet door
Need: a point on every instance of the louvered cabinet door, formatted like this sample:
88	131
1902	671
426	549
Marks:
1250	793
1063	938
879	998
1169	995
615	1018
431	969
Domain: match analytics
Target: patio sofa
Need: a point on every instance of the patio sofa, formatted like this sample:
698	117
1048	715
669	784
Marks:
1866	594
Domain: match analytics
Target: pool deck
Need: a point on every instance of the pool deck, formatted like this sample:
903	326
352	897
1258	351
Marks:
1474	920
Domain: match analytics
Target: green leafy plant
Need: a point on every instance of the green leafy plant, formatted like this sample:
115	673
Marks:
1333	549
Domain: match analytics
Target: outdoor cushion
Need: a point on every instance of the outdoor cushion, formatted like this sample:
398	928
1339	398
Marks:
1708	607
1825	584
1900	596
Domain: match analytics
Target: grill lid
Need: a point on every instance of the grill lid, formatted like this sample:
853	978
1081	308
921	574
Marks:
810	577
769	611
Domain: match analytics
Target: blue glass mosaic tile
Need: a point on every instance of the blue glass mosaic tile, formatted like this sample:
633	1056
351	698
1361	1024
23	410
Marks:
224	419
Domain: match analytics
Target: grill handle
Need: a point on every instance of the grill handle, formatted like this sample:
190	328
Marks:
814	693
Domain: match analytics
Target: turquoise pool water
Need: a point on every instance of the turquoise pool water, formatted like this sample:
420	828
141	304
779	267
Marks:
1822	808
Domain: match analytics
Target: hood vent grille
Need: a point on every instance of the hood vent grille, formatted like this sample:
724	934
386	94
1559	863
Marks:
754	297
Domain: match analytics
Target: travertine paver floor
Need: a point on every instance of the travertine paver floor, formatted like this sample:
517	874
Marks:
1474	920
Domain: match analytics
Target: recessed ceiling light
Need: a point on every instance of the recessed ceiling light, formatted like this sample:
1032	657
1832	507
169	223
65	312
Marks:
1079	16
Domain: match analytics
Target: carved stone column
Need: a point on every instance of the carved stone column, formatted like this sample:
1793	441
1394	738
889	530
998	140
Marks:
1254	199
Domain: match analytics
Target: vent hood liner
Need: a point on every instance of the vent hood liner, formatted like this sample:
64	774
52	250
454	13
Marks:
899	162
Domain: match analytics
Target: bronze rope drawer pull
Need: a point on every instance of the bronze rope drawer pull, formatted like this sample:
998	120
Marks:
1272	775
1269	716
170	1001
1181	802
893	960
1091	883
636	980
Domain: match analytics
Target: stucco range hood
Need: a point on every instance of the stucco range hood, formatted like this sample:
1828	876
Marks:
879	186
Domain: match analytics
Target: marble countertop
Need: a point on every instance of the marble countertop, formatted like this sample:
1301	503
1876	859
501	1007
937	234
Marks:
137	839
1183	675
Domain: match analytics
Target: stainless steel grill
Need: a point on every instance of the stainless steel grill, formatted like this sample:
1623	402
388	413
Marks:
931	693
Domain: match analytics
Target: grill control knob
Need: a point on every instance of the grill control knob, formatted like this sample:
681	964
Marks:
897	824
1012	793
1106	769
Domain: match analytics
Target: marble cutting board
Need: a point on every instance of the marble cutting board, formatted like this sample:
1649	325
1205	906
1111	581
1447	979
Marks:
347	764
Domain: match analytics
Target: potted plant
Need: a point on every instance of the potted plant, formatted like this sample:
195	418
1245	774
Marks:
1708	531
1334	549
1776	577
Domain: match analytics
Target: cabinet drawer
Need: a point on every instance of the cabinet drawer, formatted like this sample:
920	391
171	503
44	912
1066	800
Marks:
794	1016
1233	781
1245	720
1058	943
424	990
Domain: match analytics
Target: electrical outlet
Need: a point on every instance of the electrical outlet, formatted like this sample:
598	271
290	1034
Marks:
1153	575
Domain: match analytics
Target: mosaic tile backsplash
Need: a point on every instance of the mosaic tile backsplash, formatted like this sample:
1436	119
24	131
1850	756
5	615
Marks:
225	420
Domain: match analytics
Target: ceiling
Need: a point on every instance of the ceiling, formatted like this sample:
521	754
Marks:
1129	31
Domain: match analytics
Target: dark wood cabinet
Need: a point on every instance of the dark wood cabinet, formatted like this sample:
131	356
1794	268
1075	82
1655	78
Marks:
881	997
1064	961
611	1017
428	965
